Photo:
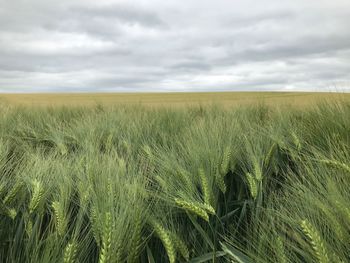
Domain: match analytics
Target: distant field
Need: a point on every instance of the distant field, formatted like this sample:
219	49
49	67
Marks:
171	99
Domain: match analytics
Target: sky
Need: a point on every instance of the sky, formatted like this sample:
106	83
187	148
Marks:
172	45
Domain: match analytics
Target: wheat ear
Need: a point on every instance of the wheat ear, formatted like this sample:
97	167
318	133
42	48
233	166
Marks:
105	252
95	226
10	212
70	253
185	176
225	164
344	209
165	237
220	182
181	246
296	141
193	207
271	152
205	186
28	224
13	192
61	222
315	240
257	171
38	193
252	183
109	142
333	219
337	165
223	169
208	208
280	251
135	240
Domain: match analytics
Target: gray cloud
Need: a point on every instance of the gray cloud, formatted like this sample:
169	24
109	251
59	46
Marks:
125	14
154	45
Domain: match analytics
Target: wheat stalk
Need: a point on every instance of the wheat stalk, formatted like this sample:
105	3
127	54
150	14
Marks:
121	165
161	182
165	237
280	251
10	212
315	240
336	164
181	246
336	258
205	186
332	218
13	193
270	154
253	188
84	194
224	167
38	193
296	141
119	250
344	209
192	207
257	171
95	227
62	148
208	208
148	151
105	253
28	224
220	182
70	252
109	142
61	223
135	240
185	177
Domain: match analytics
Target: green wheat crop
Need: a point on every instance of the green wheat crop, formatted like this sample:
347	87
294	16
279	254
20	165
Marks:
197	184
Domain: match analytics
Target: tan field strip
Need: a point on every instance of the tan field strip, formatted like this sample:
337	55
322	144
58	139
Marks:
227	99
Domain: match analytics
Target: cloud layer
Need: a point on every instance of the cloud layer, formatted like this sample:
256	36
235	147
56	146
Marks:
157	45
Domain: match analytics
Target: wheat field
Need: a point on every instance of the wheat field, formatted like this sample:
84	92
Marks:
132	183
226	99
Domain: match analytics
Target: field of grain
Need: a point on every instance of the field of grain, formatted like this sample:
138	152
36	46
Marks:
226	99
133	183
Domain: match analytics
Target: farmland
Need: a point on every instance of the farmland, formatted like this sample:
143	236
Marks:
198	183
176	99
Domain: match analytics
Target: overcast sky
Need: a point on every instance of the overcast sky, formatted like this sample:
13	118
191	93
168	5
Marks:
172	45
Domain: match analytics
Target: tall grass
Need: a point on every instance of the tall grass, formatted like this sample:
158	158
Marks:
200	184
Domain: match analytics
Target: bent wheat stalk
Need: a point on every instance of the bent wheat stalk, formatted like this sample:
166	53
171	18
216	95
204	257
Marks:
336	164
